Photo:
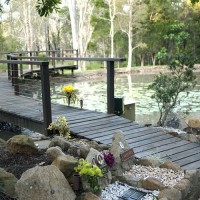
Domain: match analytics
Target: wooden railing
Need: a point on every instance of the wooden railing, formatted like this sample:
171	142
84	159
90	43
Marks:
14	61
49	55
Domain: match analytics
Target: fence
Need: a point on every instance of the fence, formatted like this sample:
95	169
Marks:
15	61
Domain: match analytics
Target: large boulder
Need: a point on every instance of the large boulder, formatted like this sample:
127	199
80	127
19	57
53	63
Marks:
170	194
42	183
152	184
170	165
54	152
194	122
21	144
2	143
60	142
103	181
66	164
119	146
7	182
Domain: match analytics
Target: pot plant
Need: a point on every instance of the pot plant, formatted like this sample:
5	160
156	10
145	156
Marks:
60	127
90	174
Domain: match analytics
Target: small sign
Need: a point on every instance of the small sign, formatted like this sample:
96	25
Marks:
126	155
104	169
133	194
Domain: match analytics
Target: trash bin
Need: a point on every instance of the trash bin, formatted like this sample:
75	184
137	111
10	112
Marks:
118	105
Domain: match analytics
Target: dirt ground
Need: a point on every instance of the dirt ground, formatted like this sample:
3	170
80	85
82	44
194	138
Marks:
19	163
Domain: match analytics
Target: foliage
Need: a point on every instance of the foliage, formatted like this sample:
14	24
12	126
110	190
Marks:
70	92
61	126
44	8
90	172
109	159
167	87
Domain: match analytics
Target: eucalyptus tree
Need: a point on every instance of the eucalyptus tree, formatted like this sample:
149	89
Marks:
131	17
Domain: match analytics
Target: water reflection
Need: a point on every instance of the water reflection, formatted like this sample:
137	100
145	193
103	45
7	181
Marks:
133	88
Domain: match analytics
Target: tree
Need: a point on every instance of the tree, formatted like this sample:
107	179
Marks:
134	14
167	87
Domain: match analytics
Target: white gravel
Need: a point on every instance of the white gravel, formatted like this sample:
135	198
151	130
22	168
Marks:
115	190
167	176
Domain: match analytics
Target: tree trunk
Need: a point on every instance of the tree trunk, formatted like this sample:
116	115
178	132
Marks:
74	22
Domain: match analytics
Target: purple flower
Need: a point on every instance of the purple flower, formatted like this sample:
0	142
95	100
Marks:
109	159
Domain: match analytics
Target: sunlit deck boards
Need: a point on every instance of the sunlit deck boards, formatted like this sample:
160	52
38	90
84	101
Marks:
100	127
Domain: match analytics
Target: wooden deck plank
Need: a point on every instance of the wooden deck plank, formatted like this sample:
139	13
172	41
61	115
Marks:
107	133
145	151
131	134
101	127
85	132
188	160
191	166
184	154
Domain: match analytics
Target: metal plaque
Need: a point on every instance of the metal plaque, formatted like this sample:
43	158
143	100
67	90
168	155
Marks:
126	155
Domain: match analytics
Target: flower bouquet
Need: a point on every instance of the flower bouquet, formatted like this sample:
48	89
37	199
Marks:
70	93
90	173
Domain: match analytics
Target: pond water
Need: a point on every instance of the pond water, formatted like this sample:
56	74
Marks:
133	88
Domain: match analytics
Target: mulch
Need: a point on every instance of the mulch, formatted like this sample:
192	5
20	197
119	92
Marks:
19	163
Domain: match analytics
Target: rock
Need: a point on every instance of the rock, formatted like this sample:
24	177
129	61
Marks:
42	183
192	176
94	145
191	138
66	164
130	180
91	196
170	194
170	165
194	131
83	151
7	183
92	154
173	133
2	143
184	187
194	122
54	152
152	184
149	162
60	142
103	181
21	144
119	167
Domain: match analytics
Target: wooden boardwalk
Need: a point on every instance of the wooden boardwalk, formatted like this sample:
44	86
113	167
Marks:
100	127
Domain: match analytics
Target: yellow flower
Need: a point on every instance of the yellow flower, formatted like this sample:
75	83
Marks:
68	89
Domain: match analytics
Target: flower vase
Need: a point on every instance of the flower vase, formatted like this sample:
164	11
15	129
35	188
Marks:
76	182
69	100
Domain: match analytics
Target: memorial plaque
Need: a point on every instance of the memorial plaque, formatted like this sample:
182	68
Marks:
133	194
126	155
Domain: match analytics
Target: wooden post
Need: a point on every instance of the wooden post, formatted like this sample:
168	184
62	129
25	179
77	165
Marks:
53	60
31	60
9	67
21	66
46	98
15	77
110	87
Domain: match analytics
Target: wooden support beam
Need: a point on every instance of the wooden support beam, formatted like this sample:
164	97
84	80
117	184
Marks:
110	87
46	98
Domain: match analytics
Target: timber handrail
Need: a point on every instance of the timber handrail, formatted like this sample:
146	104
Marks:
45	85
44	70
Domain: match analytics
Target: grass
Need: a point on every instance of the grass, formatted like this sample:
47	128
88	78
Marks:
3	67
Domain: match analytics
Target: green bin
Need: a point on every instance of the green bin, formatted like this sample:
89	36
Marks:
118	105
